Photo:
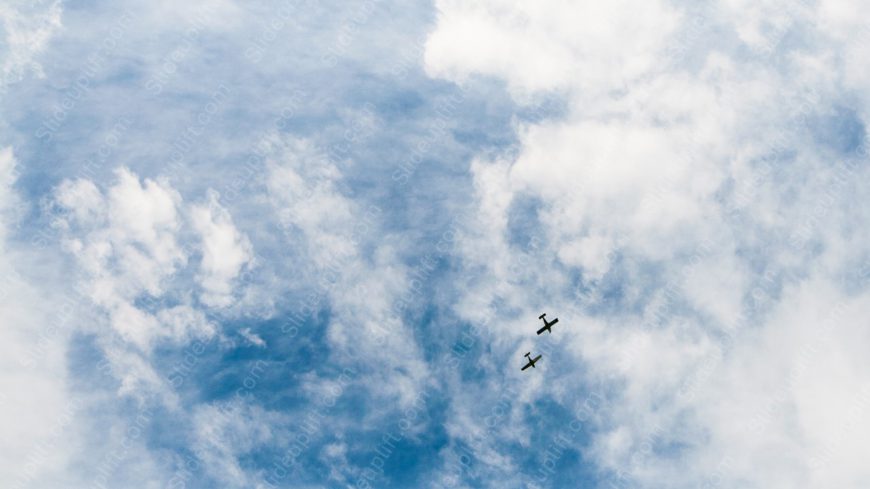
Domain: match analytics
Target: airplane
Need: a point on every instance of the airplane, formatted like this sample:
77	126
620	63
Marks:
547	324
531	361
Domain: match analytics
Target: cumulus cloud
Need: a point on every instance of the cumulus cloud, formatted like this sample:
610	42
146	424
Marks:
668	179
126	242
690	211
136	243
549	45
225	251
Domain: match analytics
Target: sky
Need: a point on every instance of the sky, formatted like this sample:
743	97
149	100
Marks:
305	244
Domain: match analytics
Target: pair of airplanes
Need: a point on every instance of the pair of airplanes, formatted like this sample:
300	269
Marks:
547	326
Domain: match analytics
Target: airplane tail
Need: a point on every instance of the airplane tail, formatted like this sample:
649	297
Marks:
542	316
529	353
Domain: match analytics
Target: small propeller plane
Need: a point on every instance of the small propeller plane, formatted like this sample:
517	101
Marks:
531	361
547	324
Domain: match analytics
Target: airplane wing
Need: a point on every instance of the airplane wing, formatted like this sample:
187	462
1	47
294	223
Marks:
527	366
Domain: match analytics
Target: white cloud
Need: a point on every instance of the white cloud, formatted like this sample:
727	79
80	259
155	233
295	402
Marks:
225	251
38	409
331	231
662	165
252	337
591	253
225	432
84	198
127	240
652	162
126	243
549	45
148	216
27	31
184	321
8	198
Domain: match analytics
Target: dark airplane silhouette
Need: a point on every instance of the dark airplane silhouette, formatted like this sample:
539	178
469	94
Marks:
547	324
531	361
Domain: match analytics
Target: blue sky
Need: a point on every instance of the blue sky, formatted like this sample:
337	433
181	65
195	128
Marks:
305	244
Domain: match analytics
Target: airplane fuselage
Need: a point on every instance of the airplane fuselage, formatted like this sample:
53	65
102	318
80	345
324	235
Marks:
532	361
547	325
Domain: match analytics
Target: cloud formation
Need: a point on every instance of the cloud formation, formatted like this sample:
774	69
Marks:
304	245
27	30
716	170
